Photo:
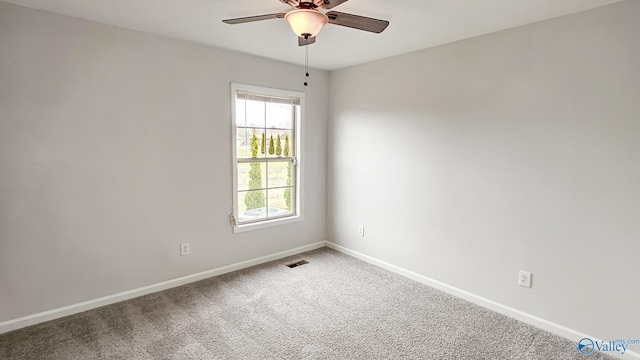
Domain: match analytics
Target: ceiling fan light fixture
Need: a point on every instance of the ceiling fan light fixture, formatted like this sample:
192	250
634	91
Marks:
306	22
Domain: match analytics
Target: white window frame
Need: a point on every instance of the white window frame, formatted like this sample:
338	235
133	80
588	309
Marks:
299	158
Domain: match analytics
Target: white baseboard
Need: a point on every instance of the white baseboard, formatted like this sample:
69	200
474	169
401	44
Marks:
538	322
25	321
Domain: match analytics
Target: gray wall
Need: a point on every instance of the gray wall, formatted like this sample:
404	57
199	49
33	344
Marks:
115	148
516	150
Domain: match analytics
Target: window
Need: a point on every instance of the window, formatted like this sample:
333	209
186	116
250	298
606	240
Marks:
266	156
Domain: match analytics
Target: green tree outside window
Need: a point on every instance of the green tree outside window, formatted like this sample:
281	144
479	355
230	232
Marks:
254	199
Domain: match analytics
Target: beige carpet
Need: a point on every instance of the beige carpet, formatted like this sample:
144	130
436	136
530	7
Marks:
334	307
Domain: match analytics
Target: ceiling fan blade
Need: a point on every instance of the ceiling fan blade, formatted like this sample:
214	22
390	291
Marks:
304	42
328	4
253	18
357	22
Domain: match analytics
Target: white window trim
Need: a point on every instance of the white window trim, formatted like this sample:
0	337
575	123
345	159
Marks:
299	145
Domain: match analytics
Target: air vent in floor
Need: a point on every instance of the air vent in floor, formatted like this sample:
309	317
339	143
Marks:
298	263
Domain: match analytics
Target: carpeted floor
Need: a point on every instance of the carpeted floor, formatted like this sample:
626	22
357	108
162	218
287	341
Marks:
334	307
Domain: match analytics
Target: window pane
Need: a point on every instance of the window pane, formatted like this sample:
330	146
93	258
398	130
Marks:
240	112
279	116
251	200
279	173
280	202
255	114
263	143
252	176
251	139
242	149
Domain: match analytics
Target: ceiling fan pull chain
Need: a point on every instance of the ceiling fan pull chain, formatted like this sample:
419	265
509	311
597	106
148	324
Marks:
306	64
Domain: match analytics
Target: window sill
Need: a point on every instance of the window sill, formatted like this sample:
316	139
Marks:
266	224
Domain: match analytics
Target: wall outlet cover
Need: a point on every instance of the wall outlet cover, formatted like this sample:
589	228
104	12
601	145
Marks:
185	249
524	278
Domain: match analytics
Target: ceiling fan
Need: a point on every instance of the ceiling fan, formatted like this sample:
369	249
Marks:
306	21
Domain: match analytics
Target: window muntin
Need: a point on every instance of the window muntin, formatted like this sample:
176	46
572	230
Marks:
266	127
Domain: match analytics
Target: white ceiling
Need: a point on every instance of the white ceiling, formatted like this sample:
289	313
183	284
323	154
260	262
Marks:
415	24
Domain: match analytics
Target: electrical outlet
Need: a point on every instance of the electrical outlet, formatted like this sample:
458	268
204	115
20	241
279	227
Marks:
524	278
185	249
361	230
